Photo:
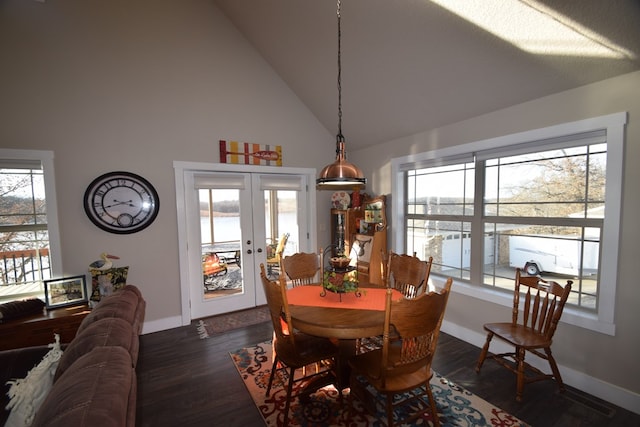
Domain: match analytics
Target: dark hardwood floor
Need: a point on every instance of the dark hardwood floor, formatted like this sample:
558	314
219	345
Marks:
187	381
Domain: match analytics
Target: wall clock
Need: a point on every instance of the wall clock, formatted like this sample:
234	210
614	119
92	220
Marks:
121	202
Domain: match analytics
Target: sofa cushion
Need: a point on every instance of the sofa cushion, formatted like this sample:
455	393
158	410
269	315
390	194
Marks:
99	389
126	303
28	393
101	333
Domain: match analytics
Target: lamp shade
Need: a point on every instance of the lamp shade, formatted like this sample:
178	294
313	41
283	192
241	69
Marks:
341	172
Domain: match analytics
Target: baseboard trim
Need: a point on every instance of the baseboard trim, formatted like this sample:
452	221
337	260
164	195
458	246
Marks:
161	324
608	392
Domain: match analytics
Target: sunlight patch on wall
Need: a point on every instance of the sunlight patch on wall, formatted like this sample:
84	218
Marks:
535	28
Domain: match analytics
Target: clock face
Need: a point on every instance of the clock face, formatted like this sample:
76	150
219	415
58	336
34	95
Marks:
121	202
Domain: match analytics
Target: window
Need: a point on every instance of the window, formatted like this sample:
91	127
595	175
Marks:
546	201
29	244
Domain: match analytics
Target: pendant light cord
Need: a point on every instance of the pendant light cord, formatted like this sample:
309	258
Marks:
340	137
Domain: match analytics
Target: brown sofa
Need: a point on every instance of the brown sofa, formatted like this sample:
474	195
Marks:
95	380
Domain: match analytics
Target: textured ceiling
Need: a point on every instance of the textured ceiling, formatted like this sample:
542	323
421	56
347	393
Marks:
410	65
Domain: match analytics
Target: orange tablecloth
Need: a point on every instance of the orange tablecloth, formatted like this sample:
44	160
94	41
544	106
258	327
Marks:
370	299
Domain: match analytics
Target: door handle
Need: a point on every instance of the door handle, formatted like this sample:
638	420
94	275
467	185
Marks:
259	250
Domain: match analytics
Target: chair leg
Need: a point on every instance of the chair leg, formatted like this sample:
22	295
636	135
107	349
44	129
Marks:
432	404
274	367
389	409
288	403
520	353
554	368
483	353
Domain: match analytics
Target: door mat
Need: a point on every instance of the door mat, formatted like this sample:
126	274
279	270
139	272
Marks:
226	322
456	406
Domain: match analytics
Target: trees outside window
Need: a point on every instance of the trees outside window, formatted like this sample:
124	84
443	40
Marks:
25	250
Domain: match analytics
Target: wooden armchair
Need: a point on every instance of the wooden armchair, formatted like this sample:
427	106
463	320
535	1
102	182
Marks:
401	369
274	254
292	349
531	330
300	268
408	274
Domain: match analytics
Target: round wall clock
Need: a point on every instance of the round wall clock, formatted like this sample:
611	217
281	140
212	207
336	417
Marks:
121	202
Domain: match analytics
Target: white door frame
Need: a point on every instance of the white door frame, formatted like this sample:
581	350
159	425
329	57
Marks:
182	168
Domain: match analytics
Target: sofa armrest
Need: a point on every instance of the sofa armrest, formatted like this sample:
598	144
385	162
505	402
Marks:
99	389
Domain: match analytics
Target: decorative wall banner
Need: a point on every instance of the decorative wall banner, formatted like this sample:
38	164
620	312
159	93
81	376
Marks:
250	154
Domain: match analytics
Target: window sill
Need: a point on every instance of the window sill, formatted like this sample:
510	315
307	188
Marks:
570	315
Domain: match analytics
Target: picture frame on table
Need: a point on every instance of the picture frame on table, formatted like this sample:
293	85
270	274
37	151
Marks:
65	291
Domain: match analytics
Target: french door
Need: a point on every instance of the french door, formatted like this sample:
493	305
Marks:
232	219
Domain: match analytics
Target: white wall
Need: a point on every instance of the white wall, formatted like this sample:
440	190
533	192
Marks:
135	85
599	363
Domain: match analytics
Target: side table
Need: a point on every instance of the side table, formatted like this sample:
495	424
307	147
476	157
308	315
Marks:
39	329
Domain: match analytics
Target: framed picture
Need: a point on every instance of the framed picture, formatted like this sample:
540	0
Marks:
66	291
250	154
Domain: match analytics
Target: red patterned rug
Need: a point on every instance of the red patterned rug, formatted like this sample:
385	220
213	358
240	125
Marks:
225	322
456	406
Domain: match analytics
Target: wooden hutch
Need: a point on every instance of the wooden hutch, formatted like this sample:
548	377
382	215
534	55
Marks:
361	234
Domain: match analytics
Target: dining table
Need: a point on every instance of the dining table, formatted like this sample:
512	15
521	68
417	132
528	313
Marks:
345	317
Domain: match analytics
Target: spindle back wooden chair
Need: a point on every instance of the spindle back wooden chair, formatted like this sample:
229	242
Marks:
293	349
408	274
537	308
300	268
401	369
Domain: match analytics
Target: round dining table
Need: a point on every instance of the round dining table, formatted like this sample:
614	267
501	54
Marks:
343	316
340	323
347	317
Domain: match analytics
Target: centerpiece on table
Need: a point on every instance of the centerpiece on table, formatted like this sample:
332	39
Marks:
340	278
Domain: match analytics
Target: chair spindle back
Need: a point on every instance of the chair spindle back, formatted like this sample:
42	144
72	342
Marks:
542	303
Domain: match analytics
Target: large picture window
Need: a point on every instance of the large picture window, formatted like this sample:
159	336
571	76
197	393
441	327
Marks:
545	201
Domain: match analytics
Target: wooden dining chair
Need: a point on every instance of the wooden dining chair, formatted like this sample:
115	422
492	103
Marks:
401	369
537	307
293	350
408	274
300	268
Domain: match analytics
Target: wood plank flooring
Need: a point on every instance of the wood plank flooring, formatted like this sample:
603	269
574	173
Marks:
187	381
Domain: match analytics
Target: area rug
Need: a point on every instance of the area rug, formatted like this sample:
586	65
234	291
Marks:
225	322
456	406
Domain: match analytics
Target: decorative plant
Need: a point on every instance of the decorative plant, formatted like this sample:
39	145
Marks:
340	282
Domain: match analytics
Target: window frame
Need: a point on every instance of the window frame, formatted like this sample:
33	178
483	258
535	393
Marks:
614	125
46	158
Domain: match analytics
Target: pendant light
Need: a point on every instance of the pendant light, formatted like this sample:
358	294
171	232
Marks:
340	173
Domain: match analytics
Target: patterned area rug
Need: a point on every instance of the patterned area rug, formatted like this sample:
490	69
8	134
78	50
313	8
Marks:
226	322
456	406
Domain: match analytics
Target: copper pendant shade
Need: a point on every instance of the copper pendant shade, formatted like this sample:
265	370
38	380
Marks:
341	172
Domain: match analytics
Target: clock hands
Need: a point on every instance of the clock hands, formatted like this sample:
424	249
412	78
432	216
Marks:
118	203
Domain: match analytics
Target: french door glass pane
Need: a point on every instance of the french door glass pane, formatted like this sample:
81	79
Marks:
220	235
281	218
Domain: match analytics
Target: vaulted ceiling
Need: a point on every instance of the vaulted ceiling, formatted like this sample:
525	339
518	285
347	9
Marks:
414	65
